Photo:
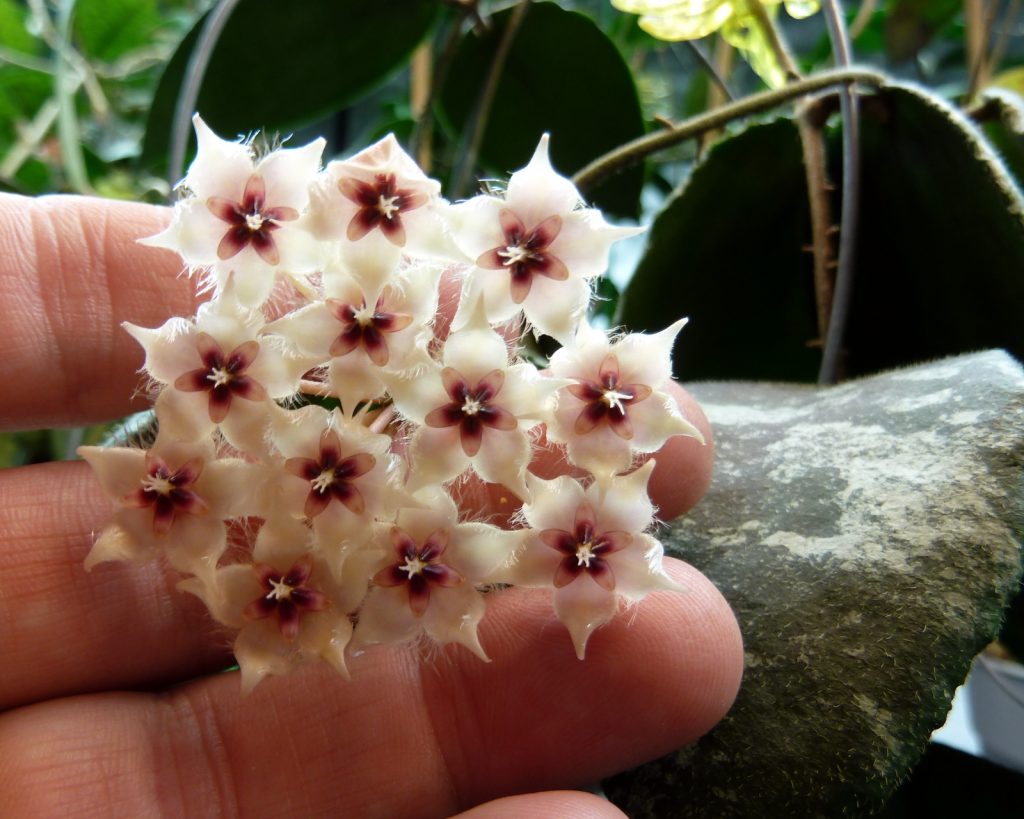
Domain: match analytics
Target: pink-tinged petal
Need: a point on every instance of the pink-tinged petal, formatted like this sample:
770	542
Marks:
410	200
490	385
193	381
375	346
390	576
584	522
491	260
621	425
330	448
567	571
347	341
281	214
521	283
263	243
590	416
188	473
316	502
552	267
310	600
441	575
209	351
419	595
224	209
602	574
260	608
394	230
558	539
546	232
497	418
454	384
305	468
242	356
233	242
219	404
404	545
613	542
362	223
512	226
586	391
288	619
447	416
391	322
358	191
350	496
355	466
638	391
248	388
163	515
608	372
189	502
434	545
138	499
299	573
255	194
265	573
345	313
471	435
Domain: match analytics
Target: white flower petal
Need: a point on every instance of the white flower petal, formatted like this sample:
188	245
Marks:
260	652
638	569
583	606
288	173
556	308
622	503
585	240
503	458
480	549
475	225
453	616
655	420
436	456
647	359
553	503
385	617
118	469
537	191
221	168
170	349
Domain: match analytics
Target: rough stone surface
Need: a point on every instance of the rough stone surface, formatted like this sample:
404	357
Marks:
868	538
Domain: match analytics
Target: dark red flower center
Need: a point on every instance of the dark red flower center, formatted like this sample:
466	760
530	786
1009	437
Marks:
286	594
585	549
250	222
366	328
607	400
381	204
525	253
223	376
471	408
418	567
168	491
331	477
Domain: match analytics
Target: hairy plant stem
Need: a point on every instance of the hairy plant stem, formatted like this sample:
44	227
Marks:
487	94
831	357
640	148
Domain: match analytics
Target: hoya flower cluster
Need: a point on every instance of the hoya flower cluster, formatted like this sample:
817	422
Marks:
313	531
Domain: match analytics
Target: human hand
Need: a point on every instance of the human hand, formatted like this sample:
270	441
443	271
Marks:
112	704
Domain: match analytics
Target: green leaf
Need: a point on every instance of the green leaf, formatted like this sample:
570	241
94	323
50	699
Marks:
14	33
562	76
108	29
727	251
279	65
940	260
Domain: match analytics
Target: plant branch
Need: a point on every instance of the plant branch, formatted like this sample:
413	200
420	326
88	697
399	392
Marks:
709	68
486	100
65	89
640	148
850	113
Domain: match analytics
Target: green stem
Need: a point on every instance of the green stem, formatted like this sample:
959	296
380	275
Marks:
67	118
638	149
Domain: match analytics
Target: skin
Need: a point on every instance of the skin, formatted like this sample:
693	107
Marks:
110	700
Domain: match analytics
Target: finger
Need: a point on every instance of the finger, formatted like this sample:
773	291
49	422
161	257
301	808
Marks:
63	630
550	805
70	274
403	738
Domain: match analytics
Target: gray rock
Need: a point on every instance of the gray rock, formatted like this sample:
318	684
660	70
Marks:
867	536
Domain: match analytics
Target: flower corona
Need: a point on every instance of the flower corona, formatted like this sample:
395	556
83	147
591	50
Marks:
315	425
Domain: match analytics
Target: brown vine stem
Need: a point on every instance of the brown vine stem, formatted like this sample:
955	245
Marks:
637	150
486	101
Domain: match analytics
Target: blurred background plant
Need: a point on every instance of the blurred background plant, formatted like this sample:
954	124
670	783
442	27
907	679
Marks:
816	221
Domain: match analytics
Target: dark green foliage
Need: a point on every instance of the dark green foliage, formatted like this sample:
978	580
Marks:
562	76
